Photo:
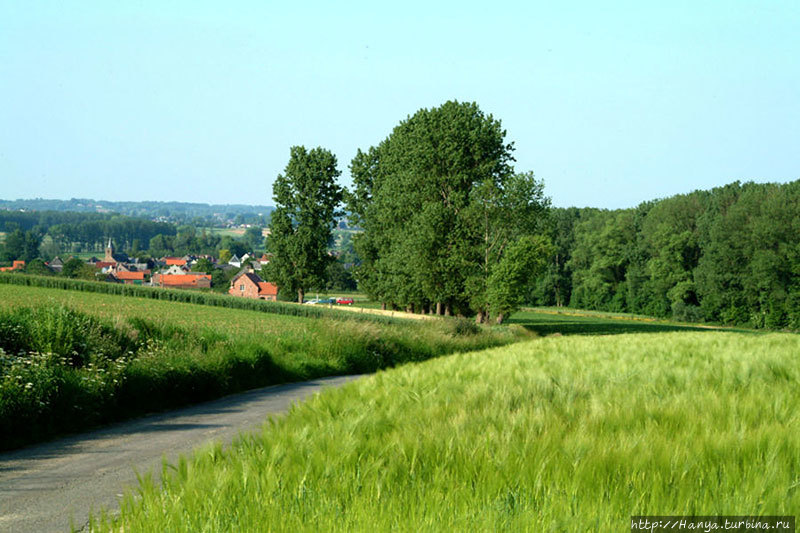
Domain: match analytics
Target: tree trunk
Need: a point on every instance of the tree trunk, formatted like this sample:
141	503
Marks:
447	310
300	295
480	317
383	306
410	308
439	310
500	318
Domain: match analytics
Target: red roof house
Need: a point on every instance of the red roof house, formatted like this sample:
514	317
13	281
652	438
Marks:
190	280
131	278
250	285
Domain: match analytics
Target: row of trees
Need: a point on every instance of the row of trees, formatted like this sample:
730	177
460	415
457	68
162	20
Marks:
730	255
49	233
449	226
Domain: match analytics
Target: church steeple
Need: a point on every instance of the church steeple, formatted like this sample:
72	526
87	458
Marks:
109	252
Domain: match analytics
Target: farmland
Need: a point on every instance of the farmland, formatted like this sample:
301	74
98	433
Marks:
114	357
571	433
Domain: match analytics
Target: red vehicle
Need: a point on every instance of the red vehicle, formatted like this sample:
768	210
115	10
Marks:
344	301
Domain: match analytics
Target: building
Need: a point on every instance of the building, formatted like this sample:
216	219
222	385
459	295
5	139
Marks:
188	280
247	284
114	257
177	261
131	278
16	265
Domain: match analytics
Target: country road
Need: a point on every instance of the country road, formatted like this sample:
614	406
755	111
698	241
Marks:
45	487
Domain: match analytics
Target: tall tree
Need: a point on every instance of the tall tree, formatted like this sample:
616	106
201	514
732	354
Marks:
307	198
440	203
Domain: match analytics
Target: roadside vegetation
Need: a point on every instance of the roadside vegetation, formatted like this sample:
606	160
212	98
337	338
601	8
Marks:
575	433
70	360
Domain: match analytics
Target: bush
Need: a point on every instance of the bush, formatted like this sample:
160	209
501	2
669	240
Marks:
686	312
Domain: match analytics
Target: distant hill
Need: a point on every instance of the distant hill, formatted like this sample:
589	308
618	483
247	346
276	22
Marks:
168	211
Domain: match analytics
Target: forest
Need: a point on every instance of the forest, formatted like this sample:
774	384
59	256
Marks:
730	255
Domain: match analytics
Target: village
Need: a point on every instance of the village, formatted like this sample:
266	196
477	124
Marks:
176	272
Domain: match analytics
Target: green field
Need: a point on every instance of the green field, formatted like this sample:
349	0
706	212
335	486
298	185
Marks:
562	321
571	433
71	359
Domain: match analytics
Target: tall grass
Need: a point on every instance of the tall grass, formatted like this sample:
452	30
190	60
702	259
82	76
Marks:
78	359
558	434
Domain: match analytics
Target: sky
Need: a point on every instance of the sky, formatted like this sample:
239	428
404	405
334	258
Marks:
609	103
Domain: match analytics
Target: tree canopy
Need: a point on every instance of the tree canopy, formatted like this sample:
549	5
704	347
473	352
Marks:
441	205
306	199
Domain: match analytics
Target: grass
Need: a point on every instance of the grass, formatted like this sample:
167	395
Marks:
575	433
70	360
550	321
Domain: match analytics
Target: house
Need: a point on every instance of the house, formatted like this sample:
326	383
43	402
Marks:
131	278
57	265
105	266
175	270
16	265
179	261
187	280
248	284
235	261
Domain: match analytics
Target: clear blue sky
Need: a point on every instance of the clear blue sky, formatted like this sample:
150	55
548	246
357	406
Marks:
610	104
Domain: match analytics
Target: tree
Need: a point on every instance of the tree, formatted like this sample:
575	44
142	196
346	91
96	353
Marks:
253	237
306	197
515	270
224	255
203	265
38	268
14	246
440	204
75	268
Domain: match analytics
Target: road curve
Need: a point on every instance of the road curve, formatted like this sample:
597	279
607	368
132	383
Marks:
49	486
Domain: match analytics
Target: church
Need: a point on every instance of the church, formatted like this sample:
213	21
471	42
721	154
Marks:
112	257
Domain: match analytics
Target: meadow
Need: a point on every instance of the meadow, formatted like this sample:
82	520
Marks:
70	360
570	433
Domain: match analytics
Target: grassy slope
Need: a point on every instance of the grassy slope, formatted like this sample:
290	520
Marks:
186	353
560	434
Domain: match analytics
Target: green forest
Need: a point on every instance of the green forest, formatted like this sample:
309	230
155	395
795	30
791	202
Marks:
730	255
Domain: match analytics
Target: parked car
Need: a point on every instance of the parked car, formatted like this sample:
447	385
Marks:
344	301
328	301
311	302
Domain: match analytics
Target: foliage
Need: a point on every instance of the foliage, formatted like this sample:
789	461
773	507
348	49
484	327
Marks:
306	197
729	255
438	198
562	434
75	268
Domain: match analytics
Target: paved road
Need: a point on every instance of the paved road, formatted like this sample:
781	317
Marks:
43	487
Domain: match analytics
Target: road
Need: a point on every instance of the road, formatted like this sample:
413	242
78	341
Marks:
48	486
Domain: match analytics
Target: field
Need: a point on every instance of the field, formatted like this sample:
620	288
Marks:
570	433
69	359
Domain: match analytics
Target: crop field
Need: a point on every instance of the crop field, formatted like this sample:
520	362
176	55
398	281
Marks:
571	433
563	321
70	359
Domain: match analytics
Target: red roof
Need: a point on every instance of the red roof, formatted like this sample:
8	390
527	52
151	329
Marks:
130	275
267	288
104	264
182	279
175	261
